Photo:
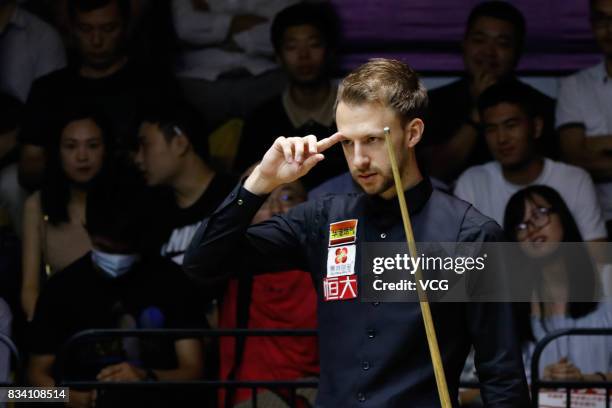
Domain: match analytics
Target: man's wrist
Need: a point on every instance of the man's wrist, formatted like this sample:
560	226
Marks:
258	185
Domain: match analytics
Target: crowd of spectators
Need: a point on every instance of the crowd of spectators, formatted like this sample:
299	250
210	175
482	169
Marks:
124	123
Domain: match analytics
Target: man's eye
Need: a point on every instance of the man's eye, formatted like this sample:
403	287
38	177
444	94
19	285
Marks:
372	139
347	143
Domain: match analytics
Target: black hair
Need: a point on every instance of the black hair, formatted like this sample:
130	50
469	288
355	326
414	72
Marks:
55	191
581	261
11	110
175	118
84	6
116	209
510	91
322	16
504	11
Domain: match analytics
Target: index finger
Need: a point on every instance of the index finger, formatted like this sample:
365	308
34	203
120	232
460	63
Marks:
328	142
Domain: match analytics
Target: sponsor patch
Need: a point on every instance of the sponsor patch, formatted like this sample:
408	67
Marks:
340	288
341	260
342	232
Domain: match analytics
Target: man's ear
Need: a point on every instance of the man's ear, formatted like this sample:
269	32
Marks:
413	131
180	143
538	127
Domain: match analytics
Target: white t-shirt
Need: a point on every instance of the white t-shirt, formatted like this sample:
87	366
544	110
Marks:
585	98
207	31
590	354
485	187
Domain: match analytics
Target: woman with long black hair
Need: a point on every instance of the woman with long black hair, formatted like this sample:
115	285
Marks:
566	288
53	225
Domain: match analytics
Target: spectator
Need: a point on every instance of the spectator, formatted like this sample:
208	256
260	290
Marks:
492	47
305	38
6	319
511	127
12	195
173	154
285	300
584	112
536	215
227	67
29	48
115	286
104	76
54	235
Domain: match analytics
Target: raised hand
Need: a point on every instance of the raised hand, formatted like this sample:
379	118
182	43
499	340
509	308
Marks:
287	160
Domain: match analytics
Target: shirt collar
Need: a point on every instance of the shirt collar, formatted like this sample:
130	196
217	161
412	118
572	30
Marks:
323	115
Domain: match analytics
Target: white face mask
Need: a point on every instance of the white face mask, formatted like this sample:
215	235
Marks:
114	265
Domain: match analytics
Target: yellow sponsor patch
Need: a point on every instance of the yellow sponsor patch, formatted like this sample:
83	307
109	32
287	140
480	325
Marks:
342	232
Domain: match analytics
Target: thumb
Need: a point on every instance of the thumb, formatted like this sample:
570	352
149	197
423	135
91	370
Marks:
563	360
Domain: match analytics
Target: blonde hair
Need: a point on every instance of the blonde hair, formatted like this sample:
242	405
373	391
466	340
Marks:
386	81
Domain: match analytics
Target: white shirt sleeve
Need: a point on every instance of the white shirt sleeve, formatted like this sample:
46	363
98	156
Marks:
198	27
256	41
463	188
569	103
588	214
51	56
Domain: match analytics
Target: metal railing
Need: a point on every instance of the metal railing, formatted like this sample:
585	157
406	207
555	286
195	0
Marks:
537	384
290	386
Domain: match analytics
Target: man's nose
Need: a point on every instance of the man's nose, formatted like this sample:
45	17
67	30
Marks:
81	153
138	157
97	38
360	159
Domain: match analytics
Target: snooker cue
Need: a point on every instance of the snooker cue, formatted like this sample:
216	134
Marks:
430	330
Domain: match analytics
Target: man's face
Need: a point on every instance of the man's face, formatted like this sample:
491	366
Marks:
490	47
601	23
100	34
510	134
364	145
158	159
281	200
303	54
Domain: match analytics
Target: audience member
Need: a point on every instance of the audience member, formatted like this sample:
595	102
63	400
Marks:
492	46
285	300
511	128
104	76
29	49
116	286
12	196
584	112
173	154
6	319
305	37
537	217
54	235
227	66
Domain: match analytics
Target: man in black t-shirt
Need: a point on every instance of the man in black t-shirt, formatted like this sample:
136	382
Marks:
172	154
305	37
114	286
103	76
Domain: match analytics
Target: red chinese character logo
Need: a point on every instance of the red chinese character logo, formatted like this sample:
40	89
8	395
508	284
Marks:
340	288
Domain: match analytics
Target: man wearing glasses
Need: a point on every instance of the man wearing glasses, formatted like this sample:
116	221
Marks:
584	112
511	127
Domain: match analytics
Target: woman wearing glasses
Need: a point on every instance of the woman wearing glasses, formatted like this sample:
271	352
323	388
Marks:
538	218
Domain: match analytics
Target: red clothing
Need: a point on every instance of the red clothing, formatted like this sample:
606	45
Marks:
284	300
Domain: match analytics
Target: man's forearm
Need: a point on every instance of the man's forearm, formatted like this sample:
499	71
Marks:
219	240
